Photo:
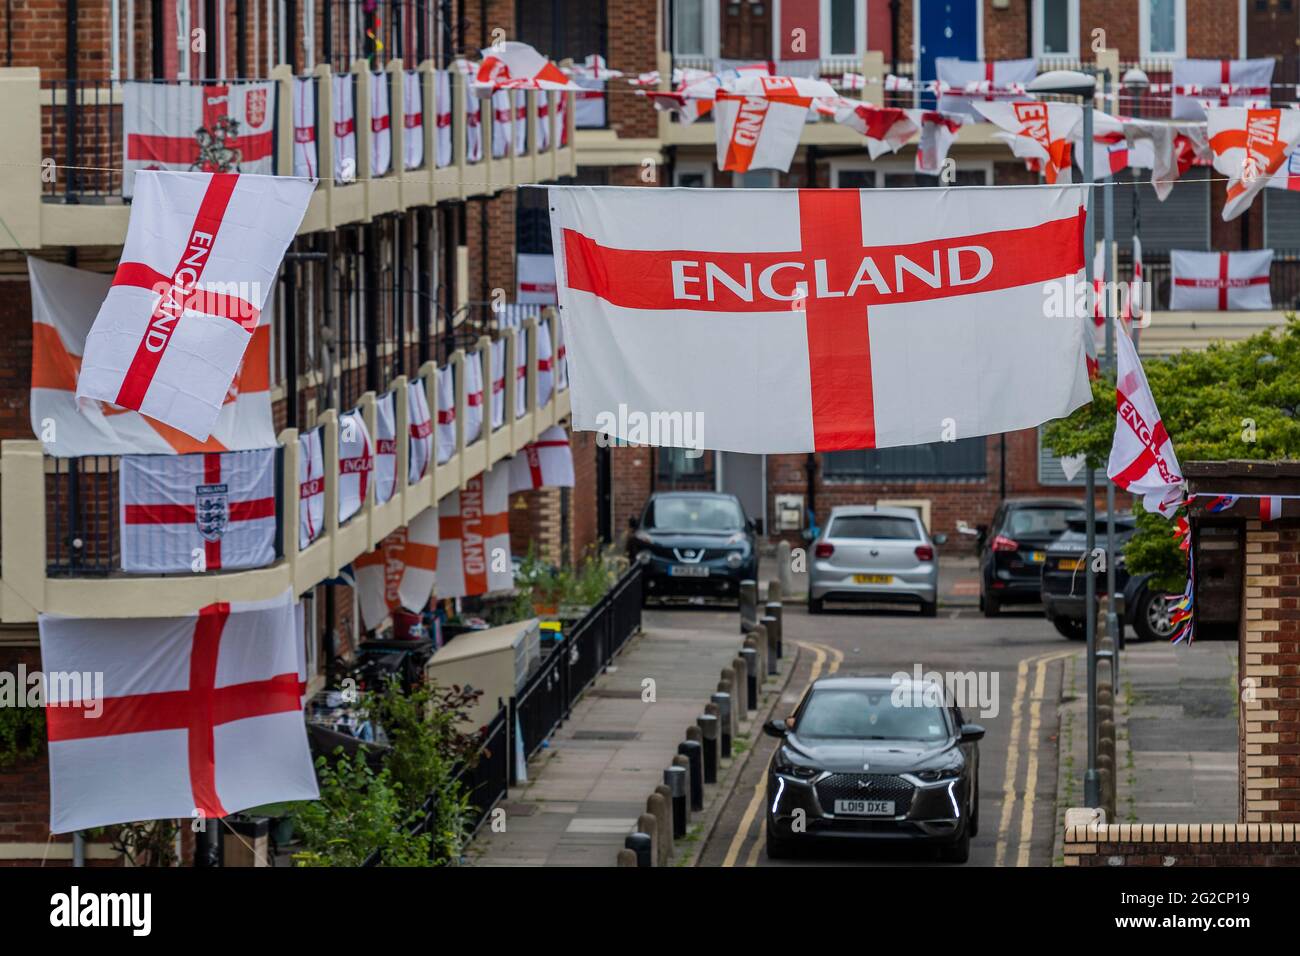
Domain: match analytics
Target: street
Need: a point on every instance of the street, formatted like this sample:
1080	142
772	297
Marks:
1018	757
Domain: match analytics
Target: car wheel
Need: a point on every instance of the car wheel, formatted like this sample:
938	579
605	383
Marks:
929	609
777	847
989	606
958	852
816	605
1151	620
1069	628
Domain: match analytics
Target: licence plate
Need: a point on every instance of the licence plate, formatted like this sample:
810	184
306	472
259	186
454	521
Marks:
1071	564
1037	557
873	578
865	808
688	571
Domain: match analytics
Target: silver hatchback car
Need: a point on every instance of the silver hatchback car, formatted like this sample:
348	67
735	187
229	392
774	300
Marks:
867	553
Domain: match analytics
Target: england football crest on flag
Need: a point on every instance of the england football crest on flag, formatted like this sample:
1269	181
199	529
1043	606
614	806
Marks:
255	106
212	510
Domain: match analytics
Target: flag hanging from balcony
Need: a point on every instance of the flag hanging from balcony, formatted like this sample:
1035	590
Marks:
849	318
1250	146
545	463
345	127
473	130
442	116
1288	174
1220	281
385	447
356	463
198	715
381	131
446	414
1219	83
503	124
520	133
1142	459
400	572
964	83
413	119
214	127
759	119
304	127
201	255
545	364
1039	133
473	396
311	486
535	278
64	303
474	537
420	426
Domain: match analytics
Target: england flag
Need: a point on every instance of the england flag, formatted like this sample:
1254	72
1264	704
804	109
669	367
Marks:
1250	146
345	127
885	129
400	572
385	447
446	414
964	83
1221	281
1039	133
1219	83
545	463
420	425
356	464
515	65
759	119
381	132
304	127
413	119
474	537
311	486
1142	459
442	117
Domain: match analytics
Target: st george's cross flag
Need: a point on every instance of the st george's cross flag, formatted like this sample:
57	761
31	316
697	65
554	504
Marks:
1220	281
1250	146
400	571
195	513
758	120
832	306
474	537
1142	459
1219	83
201	255
356	464
545	463
963	83
938	130
1288	174
442	117
413	119
311	486
515	65
420	427
200	716
381	129
473	411
885	128
1040	133
344	118
385	447
446	426
1174	149
305	161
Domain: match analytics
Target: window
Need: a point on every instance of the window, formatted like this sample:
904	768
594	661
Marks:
693	175
1050	470
1163	27
872	715
563	29
689	28
1056	28
878	527
694	513
961	460
681	464
841	28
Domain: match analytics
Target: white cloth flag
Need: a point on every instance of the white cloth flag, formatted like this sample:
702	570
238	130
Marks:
545	463
304	127
356	463
473	130
545	363
446	414
535	278
938	130
963	83
199	715
1040	133
413	119
1142	458
474	537
521	122
1220	82
385	447
442	102
1175	148
170	126
759	119
311	486
420	427
1220	281
473	396
831	305
502	124
589	111
196	513
886	129
64	304
381	131
1288	174
400	572
515	65
199	263
1250	146
345	128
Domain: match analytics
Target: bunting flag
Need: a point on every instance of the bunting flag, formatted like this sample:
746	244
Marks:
517	66
938	131
442	116
64	303
1250	146
589	108
474	537
311	486
1270	507
759	120
1038	132
199	715
691	97
817	295
473	130
201	255
545	463
212	127
594	67
412	119
420	426
535	278
886	129
446	414
1220	281
385	447
381	133
197	513
1175	148
356	462
964	83
400	571
1142	459
1219	83
1288	174
853	81
304	127
345	127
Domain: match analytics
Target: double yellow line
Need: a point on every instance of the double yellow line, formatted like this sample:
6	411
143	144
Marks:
821	654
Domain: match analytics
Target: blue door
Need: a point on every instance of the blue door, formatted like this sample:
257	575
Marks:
947	28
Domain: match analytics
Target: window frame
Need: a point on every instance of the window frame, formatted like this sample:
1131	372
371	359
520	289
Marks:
896	164
1072	13
709	38
1180	32
824	30
693	168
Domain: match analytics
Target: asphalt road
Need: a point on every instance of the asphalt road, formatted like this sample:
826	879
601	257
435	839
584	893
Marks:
1017	786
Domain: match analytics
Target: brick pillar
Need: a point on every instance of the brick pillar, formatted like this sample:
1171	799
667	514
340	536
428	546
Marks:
1269	646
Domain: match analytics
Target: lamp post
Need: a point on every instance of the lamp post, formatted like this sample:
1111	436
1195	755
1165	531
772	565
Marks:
1083	85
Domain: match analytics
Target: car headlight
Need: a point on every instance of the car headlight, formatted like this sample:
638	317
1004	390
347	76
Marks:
642	537
788	768
643	556
735	559
939	773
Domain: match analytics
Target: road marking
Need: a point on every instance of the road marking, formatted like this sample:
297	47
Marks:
1031	765
1013	764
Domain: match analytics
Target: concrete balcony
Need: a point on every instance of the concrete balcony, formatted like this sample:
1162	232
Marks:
44	203
27	588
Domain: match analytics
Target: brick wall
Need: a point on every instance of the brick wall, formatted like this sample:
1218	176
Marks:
584	503
632	47
496	242
1006	31
1212	29
1183	844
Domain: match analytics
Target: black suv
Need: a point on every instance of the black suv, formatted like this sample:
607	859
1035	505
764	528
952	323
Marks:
693	544
1013	548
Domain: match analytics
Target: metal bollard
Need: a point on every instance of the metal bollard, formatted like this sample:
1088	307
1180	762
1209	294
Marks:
771	628
693	751
642	846
648	824
773	590
740	697
709	726
728	686
750	657
657	806
757	640
723	701
675	777
748	604
777	610
784	570
693	733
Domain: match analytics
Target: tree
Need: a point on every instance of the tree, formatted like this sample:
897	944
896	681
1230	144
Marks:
1234	400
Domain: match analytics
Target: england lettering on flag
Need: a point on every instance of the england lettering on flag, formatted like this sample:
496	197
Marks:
195	513
1142	459
311	486
963	83
385	447
381	132
545	463
201	716
400	571
356	463
1220	83
413	119
345	127
1220	281
201	255
446	414
831	306
304	127
420	426
1250	146
759	119
1038	132
474	537
442	116
216	127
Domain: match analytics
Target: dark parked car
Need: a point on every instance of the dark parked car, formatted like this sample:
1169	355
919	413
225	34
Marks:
874	758
694	544
1013	548
1145	608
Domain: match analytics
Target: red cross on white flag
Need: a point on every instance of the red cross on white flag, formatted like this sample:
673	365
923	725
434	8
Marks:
1142	458
199	715
545	463
311	486
1038	132
1220	82
1221	281
1250	146
811	320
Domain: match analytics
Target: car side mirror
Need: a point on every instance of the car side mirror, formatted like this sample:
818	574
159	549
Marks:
634	522
939	538
775	728
971	733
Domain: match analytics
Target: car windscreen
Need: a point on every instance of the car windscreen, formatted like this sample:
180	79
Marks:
871	715
1040	521
885	527
690	513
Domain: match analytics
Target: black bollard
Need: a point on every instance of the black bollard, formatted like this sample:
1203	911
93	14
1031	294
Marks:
754	680
675	778
774	609
771	630
709	727
694	752
723	700
641	845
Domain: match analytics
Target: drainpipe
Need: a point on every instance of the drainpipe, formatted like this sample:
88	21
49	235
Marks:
241	38
810	474
894	6
370	257
156	53
212	69
70	106
424	263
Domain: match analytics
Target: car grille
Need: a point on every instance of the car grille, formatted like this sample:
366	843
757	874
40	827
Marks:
845	786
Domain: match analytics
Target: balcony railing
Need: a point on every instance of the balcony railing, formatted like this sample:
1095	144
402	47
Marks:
72	505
